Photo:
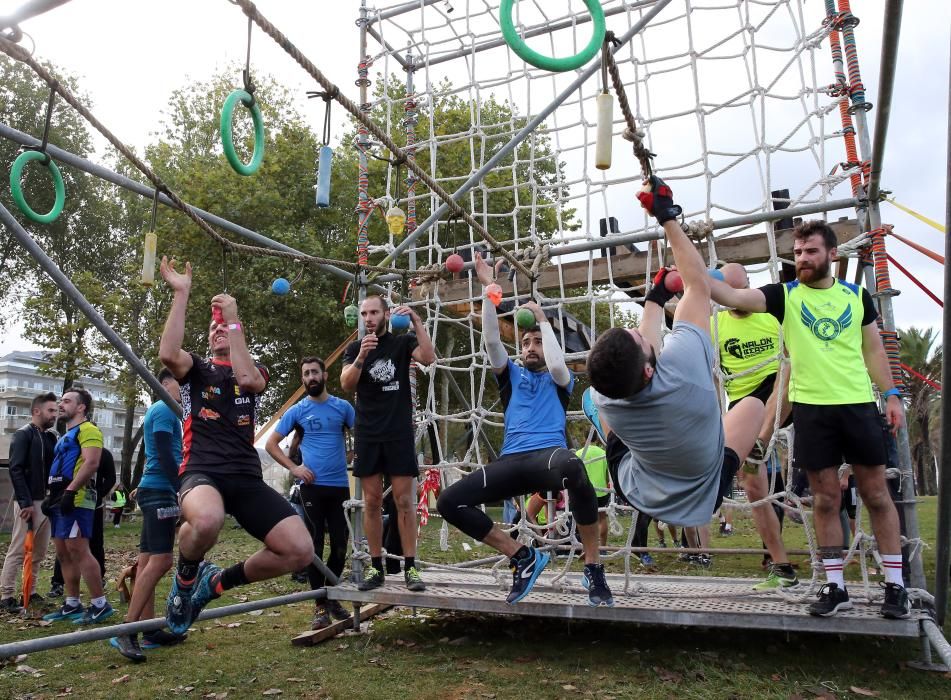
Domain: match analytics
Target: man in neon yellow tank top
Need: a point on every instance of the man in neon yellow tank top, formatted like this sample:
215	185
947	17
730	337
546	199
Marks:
745	341
835	349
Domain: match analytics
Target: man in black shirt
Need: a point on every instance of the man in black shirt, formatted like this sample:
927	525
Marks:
377	368
221	470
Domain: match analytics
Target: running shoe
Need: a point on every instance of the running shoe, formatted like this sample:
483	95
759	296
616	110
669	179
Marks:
591	412
321	618
896	605
647	560
204	591
56	591
67	612
832	599
414	581
337	611
10	606
525	571
178	607
94	615
779	576
598	591
161	638
128	646
372	578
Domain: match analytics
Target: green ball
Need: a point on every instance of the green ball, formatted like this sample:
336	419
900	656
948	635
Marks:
525	318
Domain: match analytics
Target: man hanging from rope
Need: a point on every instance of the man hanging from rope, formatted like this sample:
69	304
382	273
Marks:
221	470
534	455
663	406
836	352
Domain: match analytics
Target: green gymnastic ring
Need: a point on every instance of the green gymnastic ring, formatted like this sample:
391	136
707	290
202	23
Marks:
538	60
227	137
17	191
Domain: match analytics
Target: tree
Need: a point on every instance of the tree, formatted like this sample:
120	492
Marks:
918	352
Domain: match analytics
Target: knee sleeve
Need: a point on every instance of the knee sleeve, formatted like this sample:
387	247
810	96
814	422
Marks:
581	494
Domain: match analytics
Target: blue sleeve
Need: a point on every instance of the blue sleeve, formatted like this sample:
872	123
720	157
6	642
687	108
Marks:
682	354
285	426
164	421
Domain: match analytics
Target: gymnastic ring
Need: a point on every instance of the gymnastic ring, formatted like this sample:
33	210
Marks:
227	137
17	191
538	60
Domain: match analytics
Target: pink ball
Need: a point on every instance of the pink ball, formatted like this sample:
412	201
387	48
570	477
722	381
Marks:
674	282
455	263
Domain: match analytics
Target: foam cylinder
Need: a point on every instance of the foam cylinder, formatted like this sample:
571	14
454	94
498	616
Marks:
148	259
602	148
324	161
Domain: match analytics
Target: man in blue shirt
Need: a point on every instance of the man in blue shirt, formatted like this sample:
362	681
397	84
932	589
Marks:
324	487
157	496
534	455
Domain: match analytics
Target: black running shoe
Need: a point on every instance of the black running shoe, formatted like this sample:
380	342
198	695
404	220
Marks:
161	638
832	599
128	646
10	606
525	571
337	611
56	591
372	578
598	591
896	605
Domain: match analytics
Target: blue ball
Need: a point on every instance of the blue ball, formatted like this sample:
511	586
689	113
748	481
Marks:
280	286
399	322
716	274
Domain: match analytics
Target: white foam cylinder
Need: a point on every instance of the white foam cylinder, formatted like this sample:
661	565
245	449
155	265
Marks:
148	259
602	147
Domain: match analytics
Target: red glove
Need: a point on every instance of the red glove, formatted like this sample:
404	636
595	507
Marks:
659	200
659	293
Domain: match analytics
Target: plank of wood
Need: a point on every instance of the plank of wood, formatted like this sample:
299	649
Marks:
631	267
314	637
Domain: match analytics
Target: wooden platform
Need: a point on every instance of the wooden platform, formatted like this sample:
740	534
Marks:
689	601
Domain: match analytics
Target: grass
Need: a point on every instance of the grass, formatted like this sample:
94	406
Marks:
461	655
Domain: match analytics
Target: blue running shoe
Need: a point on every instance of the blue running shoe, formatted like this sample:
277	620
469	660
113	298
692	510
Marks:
204	591
525	572
94	615
591	412
178	606
598	591
67	612
647	561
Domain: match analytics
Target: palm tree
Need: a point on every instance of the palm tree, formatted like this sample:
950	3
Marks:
922	369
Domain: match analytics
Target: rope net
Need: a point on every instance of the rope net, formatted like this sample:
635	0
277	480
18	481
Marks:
731	95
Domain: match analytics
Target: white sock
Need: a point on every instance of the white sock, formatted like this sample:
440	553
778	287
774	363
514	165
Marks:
99	602
833	569
72	601
892	564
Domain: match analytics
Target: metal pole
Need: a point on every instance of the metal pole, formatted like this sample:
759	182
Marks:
537	31
69	289
943	545
523	133
886	82
908	492
93	634
29	9
148	192
937	640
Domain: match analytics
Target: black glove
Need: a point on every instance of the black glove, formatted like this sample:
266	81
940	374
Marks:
68	504
659	294
659	201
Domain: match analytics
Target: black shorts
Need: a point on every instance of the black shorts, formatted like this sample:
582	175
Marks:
255	505
827	436
615	451
763	392
604	500
391	457
160	513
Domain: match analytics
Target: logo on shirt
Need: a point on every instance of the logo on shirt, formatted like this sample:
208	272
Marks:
244	420
826	328
208	414
382	371
209	391
241	400
750	348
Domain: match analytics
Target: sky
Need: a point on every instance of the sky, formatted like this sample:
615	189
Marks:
130	56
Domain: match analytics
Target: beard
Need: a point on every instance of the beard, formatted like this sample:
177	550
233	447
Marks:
534	364
813	274
315	388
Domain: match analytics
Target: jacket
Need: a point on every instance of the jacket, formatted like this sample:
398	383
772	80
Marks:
31	456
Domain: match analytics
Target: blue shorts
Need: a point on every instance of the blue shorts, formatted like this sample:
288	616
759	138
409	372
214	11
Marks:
76	524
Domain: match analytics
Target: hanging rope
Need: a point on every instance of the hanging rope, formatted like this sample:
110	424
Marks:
631	133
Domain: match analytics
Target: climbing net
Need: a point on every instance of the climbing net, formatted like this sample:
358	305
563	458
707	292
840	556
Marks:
733	96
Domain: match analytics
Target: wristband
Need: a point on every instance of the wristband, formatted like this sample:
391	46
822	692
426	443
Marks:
234	326
891	392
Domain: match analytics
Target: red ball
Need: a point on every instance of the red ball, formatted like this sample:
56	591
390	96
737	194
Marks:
674	282
455	263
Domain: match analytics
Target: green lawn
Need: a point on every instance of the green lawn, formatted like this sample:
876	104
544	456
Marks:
456	655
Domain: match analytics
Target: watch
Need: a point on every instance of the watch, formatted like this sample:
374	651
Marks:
891	392
234	326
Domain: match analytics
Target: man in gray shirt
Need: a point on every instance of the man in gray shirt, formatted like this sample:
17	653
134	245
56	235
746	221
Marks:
663	407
